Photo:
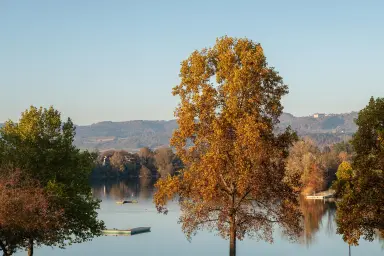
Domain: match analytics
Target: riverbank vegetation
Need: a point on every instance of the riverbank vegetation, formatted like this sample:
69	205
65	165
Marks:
120	164
360	183
310	169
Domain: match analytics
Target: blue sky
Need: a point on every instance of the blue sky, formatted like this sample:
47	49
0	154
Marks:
118	60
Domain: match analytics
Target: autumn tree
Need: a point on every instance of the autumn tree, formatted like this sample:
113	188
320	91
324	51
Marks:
234	163
305	171
164	161
145	153
26	212
360	211
146	156
344	176
41	145
344	172
117	161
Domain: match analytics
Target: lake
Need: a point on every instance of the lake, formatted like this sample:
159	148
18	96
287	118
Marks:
166	237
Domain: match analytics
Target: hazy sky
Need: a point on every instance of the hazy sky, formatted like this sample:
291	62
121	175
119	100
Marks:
118	60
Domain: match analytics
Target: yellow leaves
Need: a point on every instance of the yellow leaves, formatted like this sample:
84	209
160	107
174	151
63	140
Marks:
381	137
345	171
225	138
33	123
167	190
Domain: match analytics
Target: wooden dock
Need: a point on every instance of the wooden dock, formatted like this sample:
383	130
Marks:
127	202
126	232
322	195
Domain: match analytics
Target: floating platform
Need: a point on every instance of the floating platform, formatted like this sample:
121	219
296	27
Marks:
322	195
126	232
127	202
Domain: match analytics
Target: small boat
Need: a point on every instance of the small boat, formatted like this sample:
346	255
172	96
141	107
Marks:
132	231
127	202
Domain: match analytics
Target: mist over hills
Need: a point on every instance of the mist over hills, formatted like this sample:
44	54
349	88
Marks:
132	135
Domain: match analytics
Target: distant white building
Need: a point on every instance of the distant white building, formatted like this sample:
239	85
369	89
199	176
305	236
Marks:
105	160
318	115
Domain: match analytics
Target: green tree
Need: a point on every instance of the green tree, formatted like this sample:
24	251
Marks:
344	177
361	209
330	161
232	181
42	145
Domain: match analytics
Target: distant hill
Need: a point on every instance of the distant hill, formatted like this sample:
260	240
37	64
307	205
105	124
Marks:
332	123
132	135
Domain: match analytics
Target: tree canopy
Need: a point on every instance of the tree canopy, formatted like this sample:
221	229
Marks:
232	181
26	212
361	209
164	158
41	145
305	169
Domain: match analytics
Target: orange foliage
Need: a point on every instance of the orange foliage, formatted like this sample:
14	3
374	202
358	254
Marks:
233	179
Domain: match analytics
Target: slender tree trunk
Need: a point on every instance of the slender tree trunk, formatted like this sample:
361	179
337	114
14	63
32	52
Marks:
30	247
4	249
232	237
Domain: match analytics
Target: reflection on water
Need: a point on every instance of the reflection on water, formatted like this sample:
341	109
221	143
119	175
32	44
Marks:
166	238
317	214
128	189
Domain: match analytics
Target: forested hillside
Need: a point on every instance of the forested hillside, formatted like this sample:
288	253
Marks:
132	135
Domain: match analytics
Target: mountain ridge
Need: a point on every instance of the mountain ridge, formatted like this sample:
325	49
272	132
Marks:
132	135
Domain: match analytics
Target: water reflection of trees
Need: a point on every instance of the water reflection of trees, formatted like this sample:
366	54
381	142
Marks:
380	237
146	187
127	189
314	213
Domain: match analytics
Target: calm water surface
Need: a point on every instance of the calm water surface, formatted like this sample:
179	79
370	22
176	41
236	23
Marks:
166	238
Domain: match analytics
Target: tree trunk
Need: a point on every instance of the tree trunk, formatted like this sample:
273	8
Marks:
232	237
30	247
4	249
